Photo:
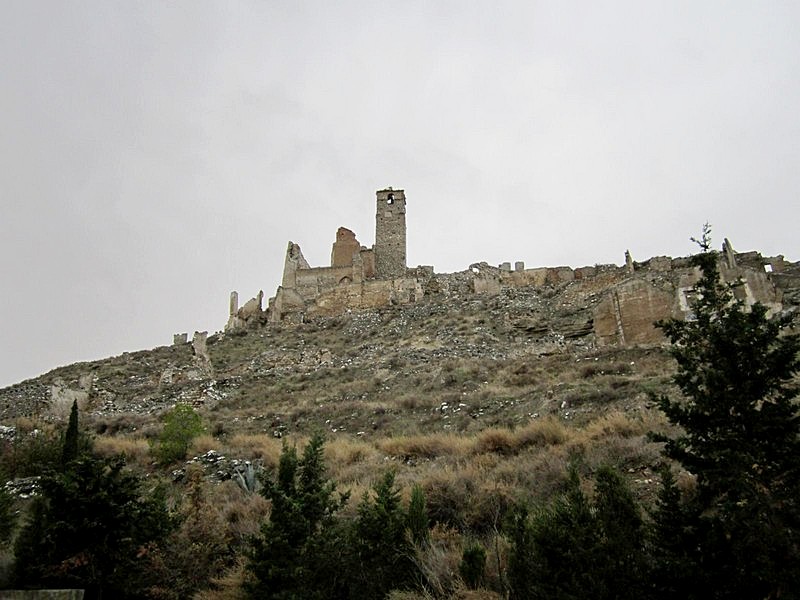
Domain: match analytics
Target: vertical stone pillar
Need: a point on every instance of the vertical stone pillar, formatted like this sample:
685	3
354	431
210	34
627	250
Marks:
234	305
628	262
730	255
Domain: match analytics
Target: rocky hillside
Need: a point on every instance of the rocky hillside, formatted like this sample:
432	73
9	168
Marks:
458	363
482	400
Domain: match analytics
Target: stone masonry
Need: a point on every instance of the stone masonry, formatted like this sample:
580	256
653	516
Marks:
617	305
390	233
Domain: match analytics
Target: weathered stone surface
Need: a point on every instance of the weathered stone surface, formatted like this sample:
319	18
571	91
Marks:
62	396
390	233
629	311
345	248
294	261
618	305
180	338
202	359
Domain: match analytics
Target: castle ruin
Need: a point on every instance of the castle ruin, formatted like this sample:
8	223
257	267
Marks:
612	305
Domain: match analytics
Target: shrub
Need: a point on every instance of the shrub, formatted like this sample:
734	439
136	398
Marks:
473	565
31	453
181	425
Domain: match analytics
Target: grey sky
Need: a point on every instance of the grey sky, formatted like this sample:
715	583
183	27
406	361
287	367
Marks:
156	155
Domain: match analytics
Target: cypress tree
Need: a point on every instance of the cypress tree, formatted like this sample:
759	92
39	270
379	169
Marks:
69	450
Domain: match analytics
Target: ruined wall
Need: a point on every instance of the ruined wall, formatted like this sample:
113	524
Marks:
660	288
628	312
618	305
251	313
345	248
390	233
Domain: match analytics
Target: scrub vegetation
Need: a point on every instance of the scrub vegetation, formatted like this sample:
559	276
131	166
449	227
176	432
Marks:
406	468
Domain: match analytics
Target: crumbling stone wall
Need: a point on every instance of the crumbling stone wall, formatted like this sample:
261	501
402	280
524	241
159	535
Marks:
250	314
345	248
660	289
616	305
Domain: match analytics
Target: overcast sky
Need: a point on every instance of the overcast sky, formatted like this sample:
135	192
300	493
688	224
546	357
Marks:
155	156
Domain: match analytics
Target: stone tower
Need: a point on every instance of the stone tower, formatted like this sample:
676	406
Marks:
390	234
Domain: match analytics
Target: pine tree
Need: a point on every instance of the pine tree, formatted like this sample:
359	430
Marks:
674	548
382	542
90	528
580	548
741	439
296	557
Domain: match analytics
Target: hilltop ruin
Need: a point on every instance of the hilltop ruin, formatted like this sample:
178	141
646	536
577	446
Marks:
613	305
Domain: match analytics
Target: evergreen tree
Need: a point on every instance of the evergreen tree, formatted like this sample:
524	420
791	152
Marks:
417	521
383	544
555	551
69	449
473	565
577	548
8	519
741	438
675	547
296	556
622	536
90	528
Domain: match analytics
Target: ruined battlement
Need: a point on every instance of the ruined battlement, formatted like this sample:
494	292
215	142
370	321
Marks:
614	305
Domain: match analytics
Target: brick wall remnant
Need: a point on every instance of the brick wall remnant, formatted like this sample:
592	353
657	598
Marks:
199	345
180	338
250	313
292	263
345	248
628	313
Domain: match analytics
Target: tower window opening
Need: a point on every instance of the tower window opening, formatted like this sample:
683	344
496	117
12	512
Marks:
390	199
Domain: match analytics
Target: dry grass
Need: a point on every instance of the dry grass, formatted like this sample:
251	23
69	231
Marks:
349	461
134	449
242	512
425	446
255	446
545	432
202	444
